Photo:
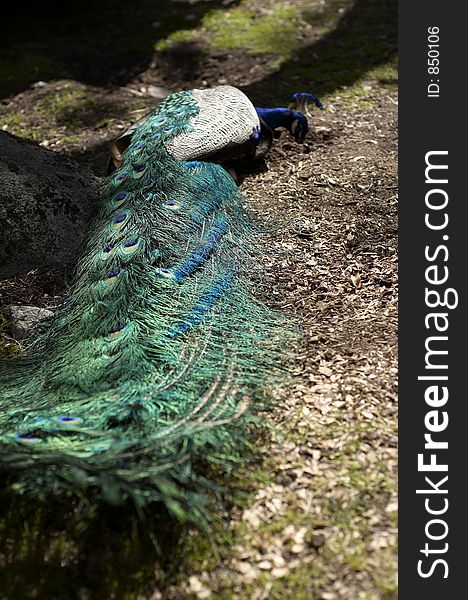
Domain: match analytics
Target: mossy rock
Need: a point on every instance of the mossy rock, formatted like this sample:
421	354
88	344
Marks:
46	202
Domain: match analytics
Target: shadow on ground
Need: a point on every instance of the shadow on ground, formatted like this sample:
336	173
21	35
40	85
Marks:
48	552
100	43
108	43
365	37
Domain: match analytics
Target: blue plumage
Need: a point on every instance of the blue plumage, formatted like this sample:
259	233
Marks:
292	120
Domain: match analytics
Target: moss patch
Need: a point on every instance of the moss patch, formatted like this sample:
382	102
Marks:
66	114
8	346
274	28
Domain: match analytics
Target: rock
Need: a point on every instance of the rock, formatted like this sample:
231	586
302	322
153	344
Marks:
299	536
157	92
25	319
289	531
317	540
46	202
195	584
252	518
197	588
297	548
278	572
242	566
251	575
279	561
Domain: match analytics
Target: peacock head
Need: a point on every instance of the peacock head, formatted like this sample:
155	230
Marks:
303	99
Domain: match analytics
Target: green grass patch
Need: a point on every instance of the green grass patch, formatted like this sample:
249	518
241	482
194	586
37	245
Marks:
66	113
275	31
74	106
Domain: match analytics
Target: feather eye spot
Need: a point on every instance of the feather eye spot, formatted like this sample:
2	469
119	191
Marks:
171	205
116	332
139	170
157	123
167	274
120	220
119	199
67	420
106	251
121	176
148	182
29	439
130	246
111	277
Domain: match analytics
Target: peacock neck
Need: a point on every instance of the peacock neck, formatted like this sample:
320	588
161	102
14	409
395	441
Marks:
276	117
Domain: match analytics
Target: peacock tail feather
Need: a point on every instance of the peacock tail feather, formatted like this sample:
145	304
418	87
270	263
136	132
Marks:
158	359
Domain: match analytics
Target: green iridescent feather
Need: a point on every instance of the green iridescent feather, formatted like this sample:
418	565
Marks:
154	366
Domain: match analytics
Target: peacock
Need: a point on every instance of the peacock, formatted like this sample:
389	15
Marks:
147	378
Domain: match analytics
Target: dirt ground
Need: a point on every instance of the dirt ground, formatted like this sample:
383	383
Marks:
321	524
